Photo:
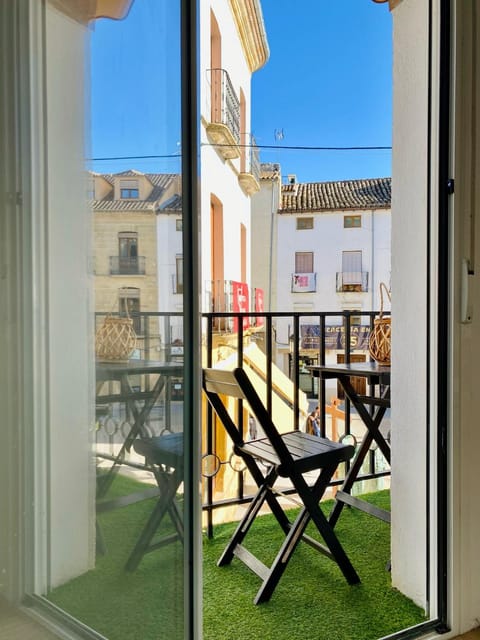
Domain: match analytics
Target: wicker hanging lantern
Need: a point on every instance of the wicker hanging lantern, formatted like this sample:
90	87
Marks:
115	339
380	337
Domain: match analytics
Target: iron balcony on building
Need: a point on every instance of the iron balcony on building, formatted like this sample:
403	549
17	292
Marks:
249	176
131	266
223	130
352	281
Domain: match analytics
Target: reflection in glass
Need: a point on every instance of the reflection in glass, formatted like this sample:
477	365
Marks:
124	472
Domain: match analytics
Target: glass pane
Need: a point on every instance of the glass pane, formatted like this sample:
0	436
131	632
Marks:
115	560
325	87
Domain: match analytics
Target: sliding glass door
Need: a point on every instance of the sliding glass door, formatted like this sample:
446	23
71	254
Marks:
97	328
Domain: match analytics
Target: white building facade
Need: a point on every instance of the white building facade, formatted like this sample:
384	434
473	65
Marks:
232	47
330	252
333	245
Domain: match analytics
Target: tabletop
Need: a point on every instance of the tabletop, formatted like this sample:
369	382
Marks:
115	370
369	370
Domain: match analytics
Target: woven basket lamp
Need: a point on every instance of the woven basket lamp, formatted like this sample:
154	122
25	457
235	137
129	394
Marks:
115	339
379	343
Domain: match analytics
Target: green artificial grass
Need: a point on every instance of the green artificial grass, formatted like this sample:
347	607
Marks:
312	600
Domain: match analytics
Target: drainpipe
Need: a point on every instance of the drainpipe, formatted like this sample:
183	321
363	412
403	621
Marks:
270	268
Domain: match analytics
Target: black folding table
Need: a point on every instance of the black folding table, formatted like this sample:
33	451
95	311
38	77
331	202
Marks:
139	403
371	409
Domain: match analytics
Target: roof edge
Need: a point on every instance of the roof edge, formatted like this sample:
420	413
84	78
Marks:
251	30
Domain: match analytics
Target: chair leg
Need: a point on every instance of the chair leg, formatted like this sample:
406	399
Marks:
249	517
311	498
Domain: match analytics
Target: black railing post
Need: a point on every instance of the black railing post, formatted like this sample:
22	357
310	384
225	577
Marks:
209	430
296	373
347	323
322	383
269	350
240	317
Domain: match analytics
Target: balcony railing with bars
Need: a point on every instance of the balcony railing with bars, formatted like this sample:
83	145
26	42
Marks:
316	337
352	281
224	127
131	266
249	176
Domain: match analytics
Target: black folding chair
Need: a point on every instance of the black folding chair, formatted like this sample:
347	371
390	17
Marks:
287	455
164	455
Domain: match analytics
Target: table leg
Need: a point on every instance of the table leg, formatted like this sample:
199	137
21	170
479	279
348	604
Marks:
139	420
372	425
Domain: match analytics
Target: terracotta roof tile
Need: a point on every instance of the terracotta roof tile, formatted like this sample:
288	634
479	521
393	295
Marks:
160	182
370	193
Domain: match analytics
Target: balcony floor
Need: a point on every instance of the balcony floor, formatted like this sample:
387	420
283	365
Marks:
111	600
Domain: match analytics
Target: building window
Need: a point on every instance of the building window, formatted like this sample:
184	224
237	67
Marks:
179	224
179	274
129	304
352	222
129	189
304	223
126	193
304	262
352	267
128	244
127	252
352	278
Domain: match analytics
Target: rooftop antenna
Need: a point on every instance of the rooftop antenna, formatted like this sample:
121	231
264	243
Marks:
278	134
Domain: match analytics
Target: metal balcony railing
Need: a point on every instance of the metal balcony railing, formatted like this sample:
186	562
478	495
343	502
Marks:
297	339
131	266
253	159
225	104
352	281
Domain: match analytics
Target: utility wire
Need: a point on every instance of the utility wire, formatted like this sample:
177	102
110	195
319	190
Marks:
153	157
250	146
300	148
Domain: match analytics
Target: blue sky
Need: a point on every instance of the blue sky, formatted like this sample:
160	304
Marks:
135	94
327	83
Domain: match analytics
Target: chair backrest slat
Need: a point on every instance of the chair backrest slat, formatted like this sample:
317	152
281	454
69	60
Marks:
216	382
221	382
237	384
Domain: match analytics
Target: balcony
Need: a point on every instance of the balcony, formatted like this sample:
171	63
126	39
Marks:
261	341
352	281
249	179
223	130
131	266
226	486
